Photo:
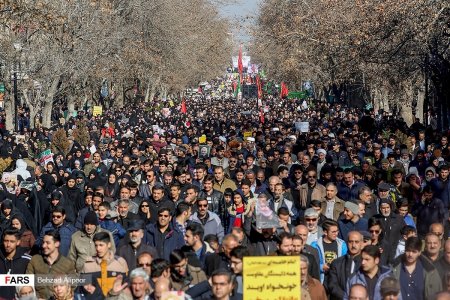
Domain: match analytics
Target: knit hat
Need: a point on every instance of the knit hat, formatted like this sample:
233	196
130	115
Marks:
352	206
91	218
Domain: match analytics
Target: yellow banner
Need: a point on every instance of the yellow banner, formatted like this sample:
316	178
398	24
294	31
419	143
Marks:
97	111
247	134
271	278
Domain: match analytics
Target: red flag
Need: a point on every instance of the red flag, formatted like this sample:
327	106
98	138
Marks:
199	90
240	65
258	84
261	116
183	107
284	90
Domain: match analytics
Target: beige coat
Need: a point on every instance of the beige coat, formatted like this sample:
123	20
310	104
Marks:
319	192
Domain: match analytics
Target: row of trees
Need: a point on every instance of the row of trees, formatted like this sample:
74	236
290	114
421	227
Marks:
390	48
68	49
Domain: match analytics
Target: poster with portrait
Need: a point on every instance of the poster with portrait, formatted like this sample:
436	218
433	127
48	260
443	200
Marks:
204	151
265	216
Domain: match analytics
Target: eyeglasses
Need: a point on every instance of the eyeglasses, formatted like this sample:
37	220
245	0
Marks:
202	205
56	217
233	161
144	205
374	231
312	177
145	265
163	216
298	172
311	219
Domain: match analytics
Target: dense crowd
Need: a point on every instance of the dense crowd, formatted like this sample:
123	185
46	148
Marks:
165	201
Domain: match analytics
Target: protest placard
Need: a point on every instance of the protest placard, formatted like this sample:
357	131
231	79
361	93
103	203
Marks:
45	157
97	111
271	278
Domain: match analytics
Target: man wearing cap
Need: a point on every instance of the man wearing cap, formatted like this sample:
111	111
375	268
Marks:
390	289
82	245
131	251
351	220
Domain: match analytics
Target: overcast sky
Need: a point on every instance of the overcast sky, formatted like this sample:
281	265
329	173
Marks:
241	14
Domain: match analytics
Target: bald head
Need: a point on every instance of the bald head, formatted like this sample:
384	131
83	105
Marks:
161	286
358	292
302	231
437	229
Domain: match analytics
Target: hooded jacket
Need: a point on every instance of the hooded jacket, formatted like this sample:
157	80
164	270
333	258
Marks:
359	277
18	265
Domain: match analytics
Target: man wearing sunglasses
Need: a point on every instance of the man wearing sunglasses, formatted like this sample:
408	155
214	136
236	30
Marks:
163	235
58	222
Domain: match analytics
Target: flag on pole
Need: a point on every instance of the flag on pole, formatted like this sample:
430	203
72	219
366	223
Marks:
183	107
284	90
258	84
238	89
240	65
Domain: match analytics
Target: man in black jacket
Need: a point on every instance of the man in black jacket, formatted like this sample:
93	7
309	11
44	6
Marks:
216	202
342	267
221	260
13	260
135	247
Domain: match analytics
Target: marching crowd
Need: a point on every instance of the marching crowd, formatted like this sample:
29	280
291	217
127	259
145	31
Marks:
171	202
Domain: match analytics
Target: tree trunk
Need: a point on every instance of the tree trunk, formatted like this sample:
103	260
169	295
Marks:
70	106
9	110
420	103
48	104
147	93
118	102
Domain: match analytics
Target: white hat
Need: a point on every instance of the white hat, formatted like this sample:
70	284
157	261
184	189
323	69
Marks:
250	139
292	137
275	129
223	139
321	151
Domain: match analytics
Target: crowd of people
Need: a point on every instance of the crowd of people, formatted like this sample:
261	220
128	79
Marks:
163	201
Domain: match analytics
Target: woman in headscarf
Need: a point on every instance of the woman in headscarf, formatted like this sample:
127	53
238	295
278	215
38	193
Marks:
111	187
27	239
144	211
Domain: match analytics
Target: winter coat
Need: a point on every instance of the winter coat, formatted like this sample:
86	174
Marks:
194	275
82	247
340	271
358	277
212	225
66	230
432	280
319	192
116	229
174	240
18	265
